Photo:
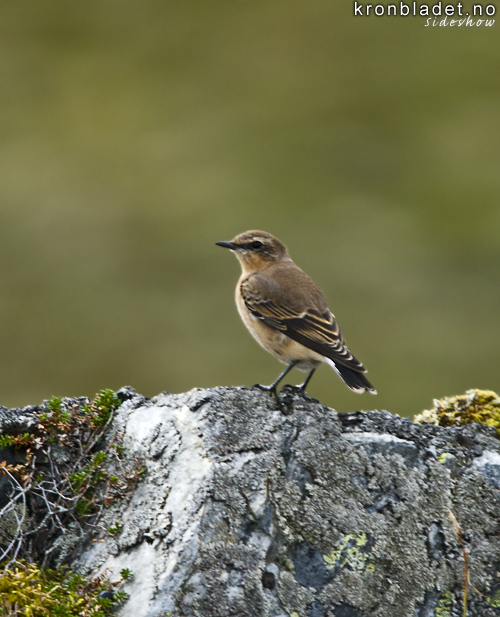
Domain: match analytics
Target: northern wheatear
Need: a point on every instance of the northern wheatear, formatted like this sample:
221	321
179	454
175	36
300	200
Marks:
287	313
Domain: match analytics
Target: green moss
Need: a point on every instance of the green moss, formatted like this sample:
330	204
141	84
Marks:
350	553
27	590
474	406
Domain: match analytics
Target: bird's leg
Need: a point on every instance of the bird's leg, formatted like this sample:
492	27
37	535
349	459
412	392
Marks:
274	385
303	386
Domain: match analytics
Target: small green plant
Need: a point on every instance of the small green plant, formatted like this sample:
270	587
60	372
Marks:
126	574
87	480
102	407
91	473
23	440
115	529
6	441
60	415
55	403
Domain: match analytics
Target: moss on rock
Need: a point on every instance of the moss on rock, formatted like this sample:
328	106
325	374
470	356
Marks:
481	406
27	590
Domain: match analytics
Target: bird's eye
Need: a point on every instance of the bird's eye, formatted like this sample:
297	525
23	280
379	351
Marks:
257	244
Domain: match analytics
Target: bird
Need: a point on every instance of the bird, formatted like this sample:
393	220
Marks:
287	313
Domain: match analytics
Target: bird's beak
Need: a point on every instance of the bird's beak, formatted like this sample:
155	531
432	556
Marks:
226	245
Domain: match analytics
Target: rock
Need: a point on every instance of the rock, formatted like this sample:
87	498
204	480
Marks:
245	509
489	466
376	443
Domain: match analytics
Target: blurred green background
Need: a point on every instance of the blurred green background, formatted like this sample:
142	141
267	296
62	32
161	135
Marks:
136	134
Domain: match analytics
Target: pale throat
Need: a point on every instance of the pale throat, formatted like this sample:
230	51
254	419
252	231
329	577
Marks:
250	263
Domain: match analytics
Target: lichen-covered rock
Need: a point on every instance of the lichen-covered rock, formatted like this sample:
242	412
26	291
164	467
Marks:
481	406
245	509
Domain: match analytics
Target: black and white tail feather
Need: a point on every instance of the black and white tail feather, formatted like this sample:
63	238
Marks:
353	379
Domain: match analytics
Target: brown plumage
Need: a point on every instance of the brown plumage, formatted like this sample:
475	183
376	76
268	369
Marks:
287	313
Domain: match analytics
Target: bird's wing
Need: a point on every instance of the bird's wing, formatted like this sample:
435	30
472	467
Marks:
315	328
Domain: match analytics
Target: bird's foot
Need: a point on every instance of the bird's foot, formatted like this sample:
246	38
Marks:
272	391
300	390
293	388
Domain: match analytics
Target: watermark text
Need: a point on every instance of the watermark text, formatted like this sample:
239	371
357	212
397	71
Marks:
482	12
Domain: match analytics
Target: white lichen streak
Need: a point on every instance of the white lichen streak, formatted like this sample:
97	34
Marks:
172	489
187	474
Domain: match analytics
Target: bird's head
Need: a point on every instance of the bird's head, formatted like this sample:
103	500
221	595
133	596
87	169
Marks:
256	249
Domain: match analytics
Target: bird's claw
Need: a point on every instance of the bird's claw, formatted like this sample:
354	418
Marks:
272	391
289	386
261	387
300	390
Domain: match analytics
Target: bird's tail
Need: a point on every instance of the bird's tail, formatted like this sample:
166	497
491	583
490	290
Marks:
354	379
